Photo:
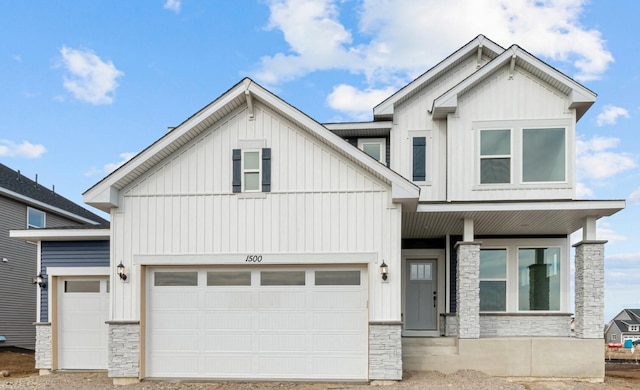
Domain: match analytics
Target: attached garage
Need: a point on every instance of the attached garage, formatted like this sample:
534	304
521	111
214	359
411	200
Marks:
257	323
83	309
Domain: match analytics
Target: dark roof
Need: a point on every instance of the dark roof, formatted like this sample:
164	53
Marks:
14	181
635	312
623	325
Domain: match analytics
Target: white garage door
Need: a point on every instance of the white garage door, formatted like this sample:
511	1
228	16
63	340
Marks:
83	308
270	323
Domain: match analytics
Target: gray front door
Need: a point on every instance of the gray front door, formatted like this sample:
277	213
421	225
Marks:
421	309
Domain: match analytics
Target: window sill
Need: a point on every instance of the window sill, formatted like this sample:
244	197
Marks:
252	195
521	186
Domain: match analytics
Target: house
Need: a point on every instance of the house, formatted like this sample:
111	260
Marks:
253	242
624	326
25	204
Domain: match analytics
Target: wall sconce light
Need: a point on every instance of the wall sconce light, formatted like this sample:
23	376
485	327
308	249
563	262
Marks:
40	281
120	270
384	270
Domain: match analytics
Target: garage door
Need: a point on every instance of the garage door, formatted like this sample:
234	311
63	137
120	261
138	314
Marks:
83	308
268	323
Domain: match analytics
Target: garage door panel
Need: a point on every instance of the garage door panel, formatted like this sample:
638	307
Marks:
80	321
82	339
229	300
265	330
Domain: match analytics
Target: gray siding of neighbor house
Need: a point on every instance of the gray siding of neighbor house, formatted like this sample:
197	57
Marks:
17	293
70	254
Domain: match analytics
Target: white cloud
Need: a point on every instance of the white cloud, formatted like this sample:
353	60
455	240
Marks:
355	102
596	161
24	150
17	58
90	79
583	192
399	40
173	5
635	196
110	167
610	115
604	231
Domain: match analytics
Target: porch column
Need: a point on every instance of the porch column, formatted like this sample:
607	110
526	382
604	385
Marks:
589	294
468	289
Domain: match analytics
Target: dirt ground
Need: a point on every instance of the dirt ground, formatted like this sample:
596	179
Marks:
23	375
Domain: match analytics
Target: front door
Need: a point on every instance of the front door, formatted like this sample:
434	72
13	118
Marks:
421	309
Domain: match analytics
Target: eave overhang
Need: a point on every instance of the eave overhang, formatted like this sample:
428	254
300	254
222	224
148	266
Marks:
579	97
507	218
69	234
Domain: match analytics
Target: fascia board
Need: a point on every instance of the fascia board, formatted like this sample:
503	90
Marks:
387	106
401	186
45	206
599	207
102	194
60	234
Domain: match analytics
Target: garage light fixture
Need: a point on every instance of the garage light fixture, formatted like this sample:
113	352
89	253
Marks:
120	270
40	281
384	270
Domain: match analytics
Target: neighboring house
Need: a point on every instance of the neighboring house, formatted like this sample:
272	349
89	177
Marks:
625	326
25	204
253	242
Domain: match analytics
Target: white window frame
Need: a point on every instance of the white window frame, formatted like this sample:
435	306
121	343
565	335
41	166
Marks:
505	279
614	336
244	170
44	218
517	127
513	245
496	156
382	142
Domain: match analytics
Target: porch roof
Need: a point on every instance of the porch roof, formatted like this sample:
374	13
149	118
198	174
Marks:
550	217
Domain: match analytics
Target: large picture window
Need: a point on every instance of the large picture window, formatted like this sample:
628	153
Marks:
493	280
539	278
543	155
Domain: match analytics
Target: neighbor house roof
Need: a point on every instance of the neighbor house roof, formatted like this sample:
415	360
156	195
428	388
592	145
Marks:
104	194
19	187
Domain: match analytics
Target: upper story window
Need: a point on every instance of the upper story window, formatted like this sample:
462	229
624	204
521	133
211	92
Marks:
36	219
251	170
374	147
523	153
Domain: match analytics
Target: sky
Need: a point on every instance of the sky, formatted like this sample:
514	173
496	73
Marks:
88	84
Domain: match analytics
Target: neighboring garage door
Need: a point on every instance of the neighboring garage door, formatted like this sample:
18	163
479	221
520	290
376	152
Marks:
83	308
265	323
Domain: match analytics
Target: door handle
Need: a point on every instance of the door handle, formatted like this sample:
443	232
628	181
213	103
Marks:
435	298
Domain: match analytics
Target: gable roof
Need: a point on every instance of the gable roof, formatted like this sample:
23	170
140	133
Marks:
633	312
480	45
19	187
104	194
581	98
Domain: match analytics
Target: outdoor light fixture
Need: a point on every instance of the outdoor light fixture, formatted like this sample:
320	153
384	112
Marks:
384	270
120	270
40	281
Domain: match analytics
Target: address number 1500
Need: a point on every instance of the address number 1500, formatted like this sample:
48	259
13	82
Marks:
253	259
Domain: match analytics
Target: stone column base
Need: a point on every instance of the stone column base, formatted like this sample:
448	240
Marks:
124	350
43	346
385	351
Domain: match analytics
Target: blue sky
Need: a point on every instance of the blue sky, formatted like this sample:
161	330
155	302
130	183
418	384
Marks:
87	84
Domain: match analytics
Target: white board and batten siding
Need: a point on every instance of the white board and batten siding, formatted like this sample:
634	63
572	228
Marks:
321	203
499	98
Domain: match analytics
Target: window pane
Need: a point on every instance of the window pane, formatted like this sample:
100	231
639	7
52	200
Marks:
539	278
543	155
251	181
420	271
495	170
337	278
82	286
35	218
493	264
495	142
493	296
372	150
282	278
251	160
239	278
175	278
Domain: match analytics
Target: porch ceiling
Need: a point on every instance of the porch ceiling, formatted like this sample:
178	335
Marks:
434	220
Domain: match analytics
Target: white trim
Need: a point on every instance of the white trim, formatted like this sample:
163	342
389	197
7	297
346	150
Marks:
46	206
244	170
44	218
359	125
610	206
375	141
267	259
77	271
61	234
38	289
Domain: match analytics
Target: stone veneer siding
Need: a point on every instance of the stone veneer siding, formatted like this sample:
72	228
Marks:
385	351
468	289
589	297
43	345
124	349
514	325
